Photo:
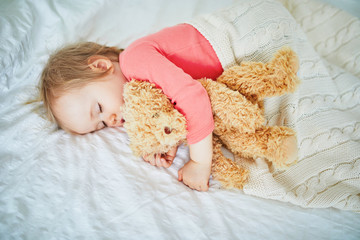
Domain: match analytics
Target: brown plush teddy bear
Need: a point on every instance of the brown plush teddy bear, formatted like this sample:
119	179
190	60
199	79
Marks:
155	126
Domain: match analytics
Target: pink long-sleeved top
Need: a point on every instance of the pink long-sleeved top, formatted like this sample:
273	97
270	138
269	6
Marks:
173	59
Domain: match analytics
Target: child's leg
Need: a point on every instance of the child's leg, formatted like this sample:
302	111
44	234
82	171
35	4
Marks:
226	171
259	80
277	144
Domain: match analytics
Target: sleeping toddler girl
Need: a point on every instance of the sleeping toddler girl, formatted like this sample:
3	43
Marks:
82	85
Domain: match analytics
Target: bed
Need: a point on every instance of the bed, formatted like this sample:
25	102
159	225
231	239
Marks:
54	185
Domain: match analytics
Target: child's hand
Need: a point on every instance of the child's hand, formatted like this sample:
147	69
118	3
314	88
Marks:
196	172
162	160
195	175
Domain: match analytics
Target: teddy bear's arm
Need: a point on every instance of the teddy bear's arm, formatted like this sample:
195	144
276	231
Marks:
232	108
257	80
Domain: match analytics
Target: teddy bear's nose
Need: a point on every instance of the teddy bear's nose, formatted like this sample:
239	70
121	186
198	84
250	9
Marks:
167	130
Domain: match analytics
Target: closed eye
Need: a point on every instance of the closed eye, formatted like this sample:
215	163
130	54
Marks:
103	122
100	108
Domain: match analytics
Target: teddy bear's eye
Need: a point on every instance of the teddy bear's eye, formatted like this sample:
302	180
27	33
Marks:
167	130
155	115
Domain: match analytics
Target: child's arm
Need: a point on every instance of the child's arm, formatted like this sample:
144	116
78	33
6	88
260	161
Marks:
196	172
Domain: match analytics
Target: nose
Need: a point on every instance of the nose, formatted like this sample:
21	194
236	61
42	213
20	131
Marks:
112	120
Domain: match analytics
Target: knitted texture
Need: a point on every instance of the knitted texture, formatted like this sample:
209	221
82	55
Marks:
324	111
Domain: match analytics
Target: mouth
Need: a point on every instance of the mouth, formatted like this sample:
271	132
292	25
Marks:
120	123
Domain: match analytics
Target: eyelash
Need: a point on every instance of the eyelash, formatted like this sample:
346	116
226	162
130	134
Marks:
100	108
100	111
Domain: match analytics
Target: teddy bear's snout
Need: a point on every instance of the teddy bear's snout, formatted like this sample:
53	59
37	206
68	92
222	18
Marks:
167	130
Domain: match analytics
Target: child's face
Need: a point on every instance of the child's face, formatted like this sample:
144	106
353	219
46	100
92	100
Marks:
94	106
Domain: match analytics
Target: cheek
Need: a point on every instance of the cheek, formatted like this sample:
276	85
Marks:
114	98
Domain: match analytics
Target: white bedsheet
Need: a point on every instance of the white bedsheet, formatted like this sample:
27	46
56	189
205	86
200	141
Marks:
57	186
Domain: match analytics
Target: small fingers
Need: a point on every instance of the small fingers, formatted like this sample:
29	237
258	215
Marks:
157	158
150	159
165	163
200	188
180	175
167	160
205	187
146	158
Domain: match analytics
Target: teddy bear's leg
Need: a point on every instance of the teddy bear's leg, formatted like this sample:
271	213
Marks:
281	145
232	108
258	80
277	144
227	172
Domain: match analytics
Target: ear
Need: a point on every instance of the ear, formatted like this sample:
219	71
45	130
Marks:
100	63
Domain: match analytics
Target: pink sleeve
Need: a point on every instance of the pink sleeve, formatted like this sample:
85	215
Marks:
187	94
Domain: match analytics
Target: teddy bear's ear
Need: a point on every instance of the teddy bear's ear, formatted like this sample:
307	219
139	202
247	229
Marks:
132	88
147	94
141	89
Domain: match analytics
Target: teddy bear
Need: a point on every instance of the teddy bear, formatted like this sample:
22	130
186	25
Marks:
155	126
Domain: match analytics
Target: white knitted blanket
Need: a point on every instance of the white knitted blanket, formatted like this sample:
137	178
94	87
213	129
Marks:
325	110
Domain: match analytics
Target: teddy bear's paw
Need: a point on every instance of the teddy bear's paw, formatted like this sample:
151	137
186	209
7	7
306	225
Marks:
287	59
294	63
288	152
228	173
285	65
233	180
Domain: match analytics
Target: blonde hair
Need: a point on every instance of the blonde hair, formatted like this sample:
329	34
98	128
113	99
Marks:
68	69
